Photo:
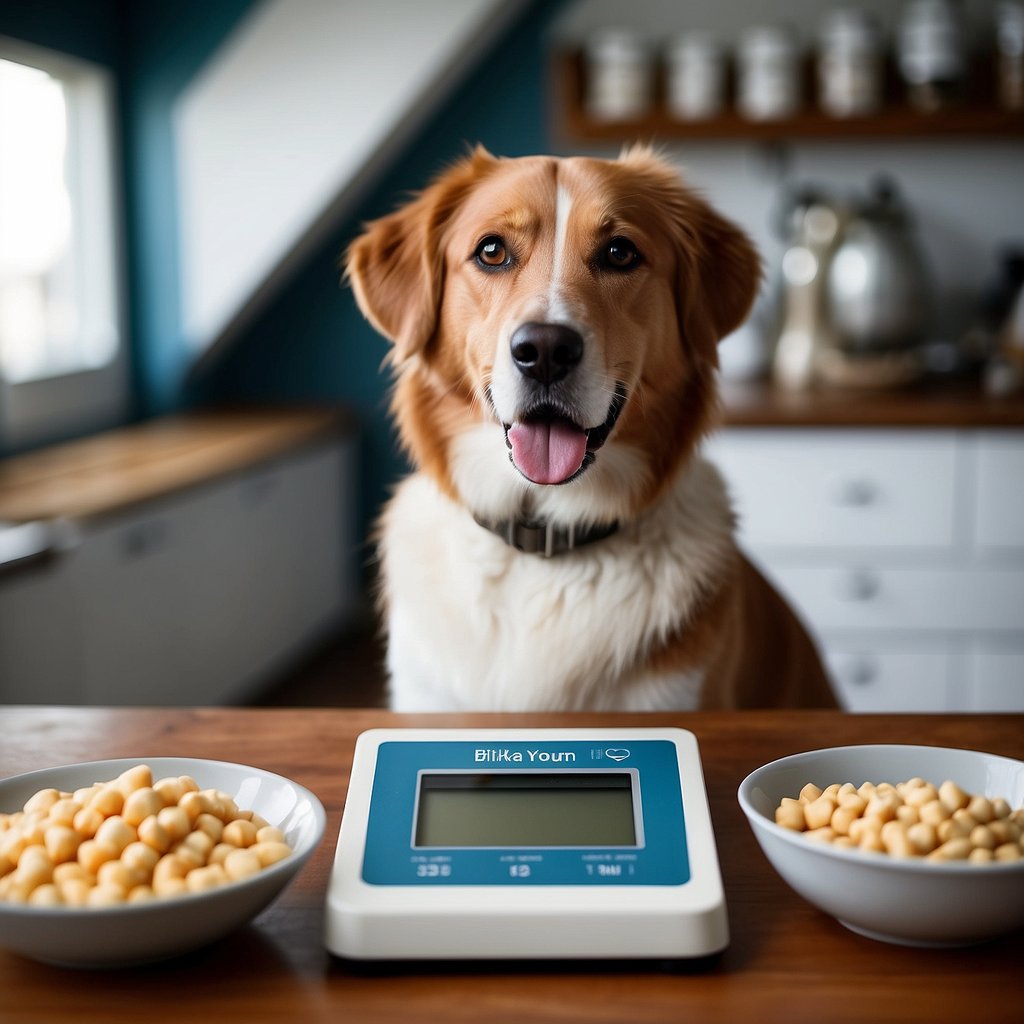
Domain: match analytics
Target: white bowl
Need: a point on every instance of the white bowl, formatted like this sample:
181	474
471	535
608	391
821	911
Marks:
138	933
908	901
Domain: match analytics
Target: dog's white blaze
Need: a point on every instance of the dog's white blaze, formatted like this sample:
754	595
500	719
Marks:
563	207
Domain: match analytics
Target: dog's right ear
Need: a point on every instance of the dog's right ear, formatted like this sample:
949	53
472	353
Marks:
396	267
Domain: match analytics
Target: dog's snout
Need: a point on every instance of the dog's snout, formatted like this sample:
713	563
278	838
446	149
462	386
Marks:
546	352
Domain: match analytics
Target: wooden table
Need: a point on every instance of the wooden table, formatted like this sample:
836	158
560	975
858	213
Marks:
786	962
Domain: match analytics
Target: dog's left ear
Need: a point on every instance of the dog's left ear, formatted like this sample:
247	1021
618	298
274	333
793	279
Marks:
725	276
719	270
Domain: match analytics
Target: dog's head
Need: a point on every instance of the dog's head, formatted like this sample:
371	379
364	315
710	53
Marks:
558	314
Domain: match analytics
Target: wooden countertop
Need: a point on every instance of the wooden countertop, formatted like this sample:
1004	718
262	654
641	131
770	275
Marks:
786	961
114	470
950	405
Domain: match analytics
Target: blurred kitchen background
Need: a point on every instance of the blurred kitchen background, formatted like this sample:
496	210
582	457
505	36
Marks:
193	431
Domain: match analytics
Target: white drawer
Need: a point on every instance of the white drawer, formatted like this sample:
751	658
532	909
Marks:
996	678
866	598
999	492
840	489
903	678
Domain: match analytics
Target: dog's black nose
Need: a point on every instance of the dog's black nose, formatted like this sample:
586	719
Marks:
546	352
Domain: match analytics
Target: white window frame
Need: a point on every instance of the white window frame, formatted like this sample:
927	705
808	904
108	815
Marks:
35	411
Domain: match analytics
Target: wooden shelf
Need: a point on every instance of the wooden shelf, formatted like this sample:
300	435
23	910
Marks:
975	118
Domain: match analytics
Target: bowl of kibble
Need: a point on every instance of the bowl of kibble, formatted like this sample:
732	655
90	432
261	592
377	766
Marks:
116	863
916	845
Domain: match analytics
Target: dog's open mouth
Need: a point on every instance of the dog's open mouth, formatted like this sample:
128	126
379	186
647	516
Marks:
547	447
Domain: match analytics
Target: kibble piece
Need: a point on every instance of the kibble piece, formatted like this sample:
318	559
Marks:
817	814
42	801
934	812
105	896
953	796
153	834
243	833
170	790
116	872
109	800
809	793
47	895
907	815
817	835
116	833
141	894
63	812
61	843
176	821
982	835
270	852
958	848
141	857
86	821
141	804
854	801
213	876
211	825
1007	852
923	837
979	855
842	818
895	839
241	864
918	796
136	777
91	854
980	809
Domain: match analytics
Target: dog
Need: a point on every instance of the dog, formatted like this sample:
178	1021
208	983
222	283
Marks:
562	544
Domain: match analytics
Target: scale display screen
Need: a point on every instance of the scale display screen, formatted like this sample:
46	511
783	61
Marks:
531	809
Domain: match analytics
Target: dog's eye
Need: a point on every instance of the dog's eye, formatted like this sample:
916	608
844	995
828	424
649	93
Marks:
620	254
492	252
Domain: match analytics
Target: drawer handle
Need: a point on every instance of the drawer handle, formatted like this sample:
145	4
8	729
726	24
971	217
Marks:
854	492
859	585
861	670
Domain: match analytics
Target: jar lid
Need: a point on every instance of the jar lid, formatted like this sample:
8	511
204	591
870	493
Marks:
768	41
696	43
850	28
616	43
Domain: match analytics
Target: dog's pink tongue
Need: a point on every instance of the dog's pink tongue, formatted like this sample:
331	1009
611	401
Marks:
547	453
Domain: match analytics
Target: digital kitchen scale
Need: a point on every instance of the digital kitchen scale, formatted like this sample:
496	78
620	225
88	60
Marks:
526	844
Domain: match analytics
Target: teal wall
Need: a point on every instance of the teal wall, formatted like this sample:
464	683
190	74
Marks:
311	345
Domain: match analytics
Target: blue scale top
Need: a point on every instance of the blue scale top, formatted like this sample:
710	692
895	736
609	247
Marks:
526	813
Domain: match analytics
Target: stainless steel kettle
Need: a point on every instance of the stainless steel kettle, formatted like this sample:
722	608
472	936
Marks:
855	292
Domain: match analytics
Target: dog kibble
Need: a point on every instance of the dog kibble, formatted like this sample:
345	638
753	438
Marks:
912	819
132	839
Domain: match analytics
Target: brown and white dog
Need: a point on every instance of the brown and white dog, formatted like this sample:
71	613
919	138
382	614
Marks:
563	545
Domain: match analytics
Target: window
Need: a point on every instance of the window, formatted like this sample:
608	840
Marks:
62	361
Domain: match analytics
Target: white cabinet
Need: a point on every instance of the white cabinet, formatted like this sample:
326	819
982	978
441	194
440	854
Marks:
902	550
195	598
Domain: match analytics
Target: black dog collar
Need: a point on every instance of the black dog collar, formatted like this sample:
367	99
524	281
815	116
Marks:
546	539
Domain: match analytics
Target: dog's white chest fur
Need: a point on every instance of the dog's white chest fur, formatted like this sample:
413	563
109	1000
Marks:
474	624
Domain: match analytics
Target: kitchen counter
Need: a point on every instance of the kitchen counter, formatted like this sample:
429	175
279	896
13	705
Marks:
115	470
786	961
950	405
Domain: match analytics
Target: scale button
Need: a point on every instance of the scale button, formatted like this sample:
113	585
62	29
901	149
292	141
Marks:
617	753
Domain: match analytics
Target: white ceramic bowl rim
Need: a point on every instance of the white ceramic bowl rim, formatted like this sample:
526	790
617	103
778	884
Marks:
899	864
117	765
